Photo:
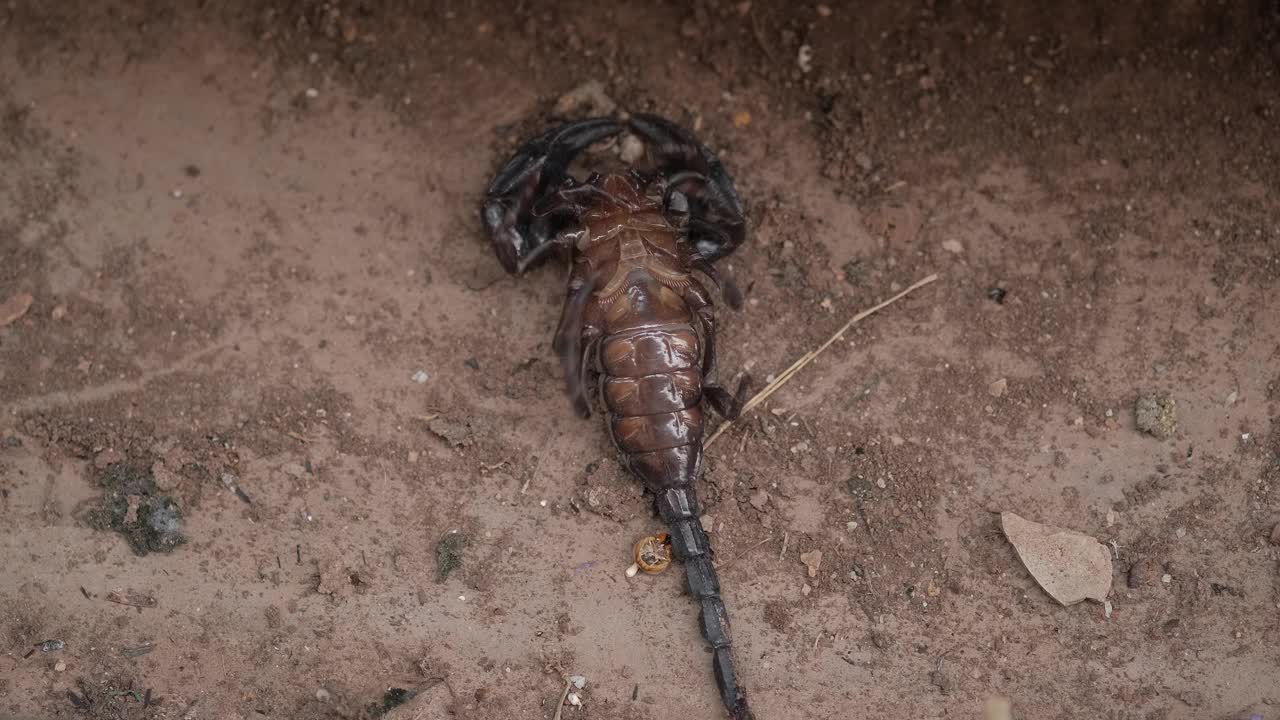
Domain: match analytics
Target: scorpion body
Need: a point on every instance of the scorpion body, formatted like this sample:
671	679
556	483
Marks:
636	315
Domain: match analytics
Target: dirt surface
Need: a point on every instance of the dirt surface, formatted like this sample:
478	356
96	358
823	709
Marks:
245	228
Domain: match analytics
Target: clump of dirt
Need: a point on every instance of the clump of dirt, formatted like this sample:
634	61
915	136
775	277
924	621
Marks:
391	699
1156	415
449	553
134	507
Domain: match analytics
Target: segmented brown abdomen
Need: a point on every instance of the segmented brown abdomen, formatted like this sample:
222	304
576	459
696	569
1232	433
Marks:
651	359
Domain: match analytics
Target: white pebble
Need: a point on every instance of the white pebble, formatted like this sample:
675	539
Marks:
421	377
804	58
313	93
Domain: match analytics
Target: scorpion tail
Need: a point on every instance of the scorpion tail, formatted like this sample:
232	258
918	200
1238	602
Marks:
678	507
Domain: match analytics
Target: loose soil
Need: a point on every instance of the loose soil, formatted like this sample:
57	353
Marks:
246	227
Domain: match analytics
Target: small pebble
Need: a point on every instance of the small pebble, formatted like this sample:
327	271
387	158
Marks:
824	11
804	58
631	149
59	666
806	590
313	93
421	377
952	246
322	695
1166	578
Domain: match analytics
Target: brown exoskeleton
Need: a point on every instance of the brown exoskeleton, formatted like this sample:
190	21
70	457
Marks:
636	316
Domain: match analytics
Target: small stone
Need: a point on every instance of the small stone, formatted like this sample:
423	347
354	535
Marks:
741	119
760	500
630	149
897	440
804	58
1231	399
455	433
323	695
824	10
15	307
952	246
1180	532
998	388
806	590
1156	415
578	681
813	561
293	469
421	377
589	97
312	93
1166	578
574	700
59	666
707	522
413	456
59	312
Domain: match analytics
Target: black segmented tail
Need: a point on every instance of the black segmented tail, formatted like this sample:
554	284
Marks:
678	506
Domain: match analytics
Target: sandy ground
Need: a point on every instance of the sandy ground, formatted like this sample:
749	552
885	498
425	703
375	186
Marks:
245	229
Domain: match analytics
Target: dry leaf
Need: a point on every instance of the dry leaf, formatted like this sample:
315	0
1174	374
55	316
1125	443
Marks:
1070	566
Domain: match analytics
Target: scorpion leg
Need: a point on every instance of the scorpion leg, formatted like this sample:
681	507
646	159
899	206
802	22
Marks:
539	166
568	342
728	405
717	222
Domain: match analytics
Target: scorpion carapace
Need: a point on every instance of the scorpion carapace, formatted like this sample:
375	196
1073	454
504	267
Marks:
636	316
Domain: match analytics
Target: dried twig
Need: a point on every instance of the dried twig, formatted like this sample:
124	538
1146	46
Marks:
560	705
743	554
809	356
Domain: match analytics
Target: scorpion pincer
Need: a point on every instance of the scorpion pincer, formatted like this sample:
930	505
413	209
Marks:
636	316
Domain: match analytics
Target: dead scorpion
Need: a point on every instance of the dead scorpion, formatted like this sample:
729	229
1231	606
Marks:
636	317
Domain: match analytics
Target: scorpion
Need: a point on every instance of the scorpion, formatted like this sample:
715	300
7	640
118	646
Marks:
637	322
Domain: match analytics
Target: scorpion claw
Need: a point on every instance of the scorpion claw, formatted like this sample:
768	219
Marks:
697	183
519	229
